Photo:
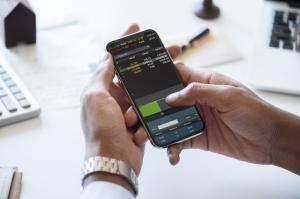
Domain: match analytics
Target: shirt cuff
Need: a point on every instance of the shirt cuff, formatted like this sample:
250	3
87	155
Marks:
105	190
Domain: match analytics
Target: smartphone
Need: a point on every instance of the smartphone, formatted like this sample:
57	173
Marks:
148	74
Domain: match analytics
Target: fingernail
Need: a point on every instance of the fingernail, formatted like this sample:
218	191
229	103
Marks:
171	158
171	97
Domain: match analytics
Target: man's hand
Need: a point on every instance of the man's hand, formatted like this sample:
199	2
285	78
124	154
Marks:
109	123
239	124
104	107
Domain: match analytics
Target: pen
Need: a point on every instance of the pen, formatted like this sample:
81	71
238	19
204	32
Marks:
197	37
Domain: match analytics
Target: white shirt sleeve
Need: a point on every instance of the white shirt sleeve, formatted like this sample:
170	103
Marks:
105	190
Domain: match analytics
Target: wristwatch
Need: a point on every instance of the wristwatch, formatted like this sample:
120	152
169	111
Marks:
112	166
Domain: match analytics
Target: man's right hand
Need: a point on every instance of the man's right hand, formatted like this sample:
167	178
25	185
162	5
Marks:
239	124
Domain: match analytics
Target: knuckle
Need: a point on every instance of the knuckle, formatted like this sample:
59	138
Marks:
211	76
86	97
141	136
179	64
91	96
232	93
194	88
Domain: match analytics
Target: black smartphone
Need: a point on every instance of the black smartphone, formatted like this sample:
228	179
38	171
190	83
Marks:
148	74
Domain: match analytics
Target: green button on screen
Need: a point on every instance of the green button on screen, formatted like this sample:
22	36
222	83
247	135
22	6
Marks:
150	109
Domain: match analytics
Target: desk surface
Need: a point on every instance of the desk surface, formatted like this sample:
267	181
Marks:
49	149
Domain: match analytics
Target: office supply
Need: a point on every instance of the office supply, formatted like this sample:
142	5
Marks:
276	60
6	178
195	38
16	186
213	49
207	10
17	22
16	102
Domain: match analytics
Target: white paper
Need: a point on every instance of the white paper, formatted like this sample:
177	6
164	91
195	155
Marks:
56	69
214	49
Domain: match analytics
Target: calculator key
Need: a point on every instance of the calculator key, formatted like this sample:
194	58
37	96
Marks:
5	76
2	93
24	103
10	83
19	96
9	104
15	89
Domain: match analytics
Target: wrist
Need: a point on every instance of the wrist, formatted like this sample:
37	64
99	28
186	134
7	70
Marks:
101	168
120	149
108	149
103	148
107	177
285	151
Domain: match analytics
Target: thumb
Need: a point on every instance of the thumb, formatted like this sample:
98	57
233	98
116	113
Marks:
106	72
205	94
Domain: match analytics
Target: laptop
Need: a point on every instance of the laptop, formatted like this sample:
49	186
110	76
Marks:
275	65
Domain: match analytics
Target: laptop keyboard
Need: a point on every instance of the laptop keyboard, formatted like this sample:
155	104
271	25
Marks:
286	31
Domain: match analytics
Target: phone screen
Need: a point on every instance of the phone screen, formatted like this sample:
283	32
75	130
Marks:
149	75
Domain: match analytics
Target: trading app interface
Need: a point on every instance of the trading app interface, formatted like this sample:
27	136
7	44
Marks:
149	75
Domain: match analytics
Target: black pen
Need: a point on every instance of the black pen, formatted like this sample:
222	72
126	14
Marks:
197	37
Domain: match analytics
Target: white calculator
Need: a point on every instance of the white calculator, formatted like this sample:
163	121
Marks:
16	102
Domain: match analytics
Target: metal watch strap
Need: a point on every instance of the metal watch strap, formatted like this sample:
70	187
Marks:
112	166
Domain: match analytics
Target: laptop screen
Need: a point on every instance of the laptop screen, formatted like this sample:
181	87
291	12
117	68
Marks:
292	3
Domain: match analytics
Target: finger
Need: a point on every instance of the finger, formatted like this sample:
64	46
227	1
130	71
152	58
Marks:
106	73
174	51
220	79
205	76
173	154
140	137
120	96
175	150
131	118
211	95
119	83
131	29
184	72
